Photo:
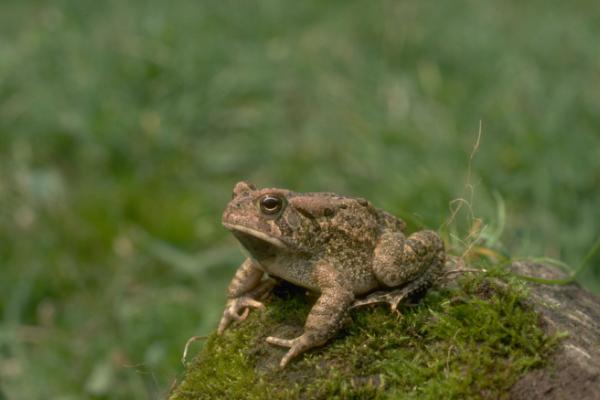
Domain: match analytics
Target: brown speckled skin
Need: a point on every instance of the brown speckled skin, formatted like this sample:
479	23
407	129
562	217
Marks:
338	246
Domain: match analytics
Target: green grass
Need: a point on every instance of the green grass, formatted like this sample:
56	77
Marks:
471	341
124	126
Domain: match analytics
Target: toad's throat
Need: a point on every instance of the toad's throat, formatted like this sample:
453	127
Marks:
260	245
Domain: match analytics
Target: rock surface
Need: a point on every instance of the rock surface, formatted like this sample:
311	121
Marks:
480	337
573	371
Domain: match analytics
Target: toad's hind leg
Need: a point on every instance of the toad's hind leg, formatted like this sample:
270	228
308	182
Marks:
410	265
398	260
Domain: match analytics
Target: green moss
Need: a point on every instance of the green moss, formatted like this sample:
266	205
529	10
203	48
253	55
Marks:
473	340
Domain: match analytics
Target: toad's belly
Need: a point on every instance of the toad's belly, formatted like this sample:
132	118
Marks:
299	271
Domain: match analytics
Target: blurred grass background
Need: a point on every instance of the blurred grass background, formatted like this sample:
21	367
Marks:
124	126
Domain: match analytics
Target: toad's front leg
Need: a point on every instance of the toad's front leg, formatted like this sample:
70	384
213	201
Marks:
246	286
325	318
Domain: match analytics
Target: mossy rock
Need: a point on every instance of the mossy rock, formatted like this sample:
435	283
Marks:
471	341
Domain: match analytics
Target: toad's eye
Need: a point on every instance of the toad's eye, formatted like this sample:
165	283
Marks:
271	204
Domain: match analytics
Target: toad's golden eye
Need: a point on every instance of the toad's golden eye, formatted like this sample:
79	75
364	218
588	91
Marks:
271	204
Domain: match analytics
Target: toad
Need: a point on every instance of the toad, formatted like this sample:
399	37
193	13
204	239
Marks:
345	249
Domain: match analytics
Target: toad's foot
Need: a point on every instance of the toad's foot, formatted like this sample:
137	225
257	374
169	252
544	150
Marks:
394	297
297	346
243	304
233	309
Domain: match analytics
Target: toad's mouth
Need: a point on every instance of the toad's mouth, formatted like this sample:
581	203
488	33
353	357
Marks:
258	244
